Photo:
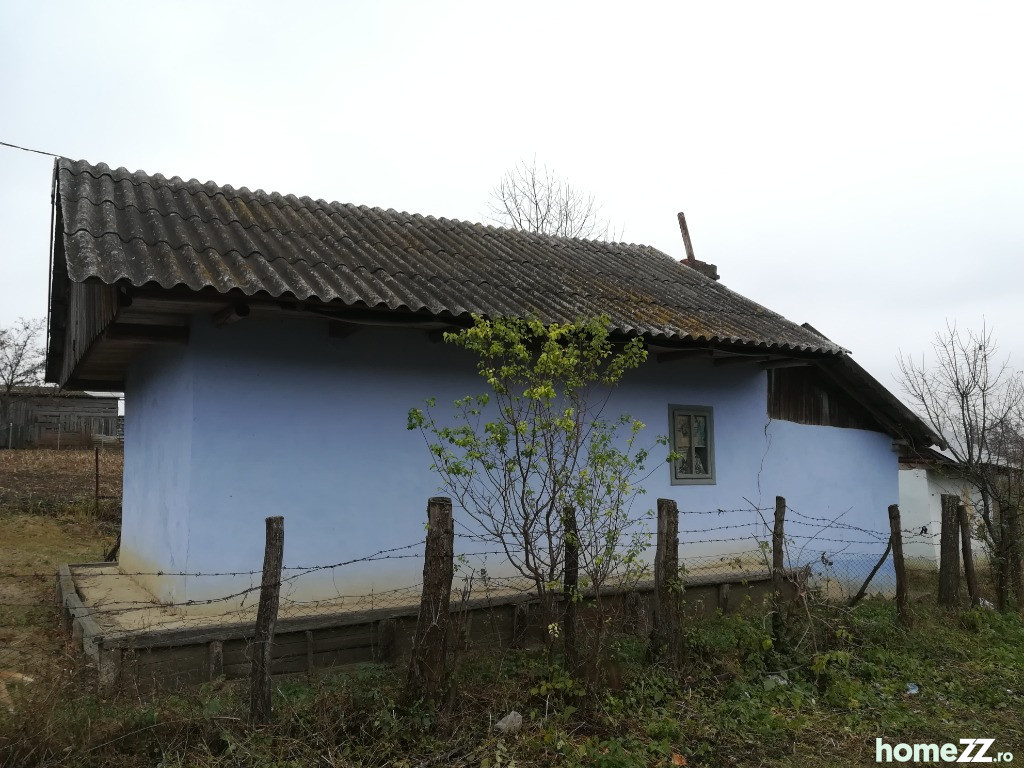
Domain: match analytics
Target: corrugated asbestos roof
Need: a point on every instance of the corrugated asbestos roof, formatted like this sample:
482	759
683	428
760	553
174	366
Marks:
146	230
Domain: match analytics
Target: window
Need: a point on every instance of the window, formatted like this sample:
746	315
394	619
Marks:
692	437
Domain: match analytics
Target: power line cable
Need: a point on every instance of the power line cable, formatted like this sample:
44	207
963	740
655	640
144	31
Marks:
29	149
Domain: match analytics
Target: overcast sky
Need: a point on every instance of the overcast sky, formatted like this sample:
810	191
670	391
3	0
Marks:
858	166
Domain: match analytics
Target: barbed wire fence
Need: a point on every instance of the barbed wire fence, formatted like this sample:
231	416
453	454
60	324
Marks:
106	609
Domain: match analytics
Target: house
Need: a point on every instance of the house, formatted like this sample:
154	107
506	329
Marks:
926	475
270	346
47	417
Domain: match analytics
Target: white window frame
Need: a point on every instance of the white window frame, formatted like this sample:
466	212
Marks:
708	477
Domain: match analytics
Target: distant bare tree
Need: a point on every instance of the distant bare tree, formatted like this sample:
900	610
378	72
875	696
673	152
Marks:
975	400
536	199
21	359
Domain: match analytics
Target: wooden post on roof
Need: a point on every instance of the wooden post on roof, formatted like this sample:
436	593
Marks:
428	666
666	634
970	575
899	566
949	552
685	231
266	620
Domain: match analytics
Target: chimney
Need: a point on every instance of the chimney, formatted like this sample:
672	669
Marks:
708	270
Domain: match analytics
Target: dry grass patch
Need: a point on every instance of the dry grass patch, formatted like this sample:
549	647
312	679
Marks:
31	548
52	482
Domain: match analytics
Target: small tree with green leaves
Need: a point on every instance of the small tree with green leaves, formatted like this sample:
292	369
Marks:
537	447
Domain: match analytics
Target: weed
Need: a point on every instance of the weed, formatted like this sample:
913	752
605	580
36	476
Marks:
738	700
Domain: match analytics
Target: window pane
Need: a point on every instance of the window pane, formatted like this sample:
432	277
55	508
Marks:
700	430
684	465
700	461
682	429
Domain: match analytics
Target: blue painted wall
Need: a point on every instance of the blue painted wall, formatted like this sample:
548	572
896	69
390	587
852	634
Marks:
278	418
158	468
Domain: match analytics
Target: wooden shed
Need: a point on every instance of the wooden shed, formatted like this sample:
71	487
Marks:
47	417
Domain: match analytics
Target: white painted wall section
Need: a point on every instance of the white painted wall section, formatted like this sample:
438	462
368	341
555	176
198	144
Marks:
921	491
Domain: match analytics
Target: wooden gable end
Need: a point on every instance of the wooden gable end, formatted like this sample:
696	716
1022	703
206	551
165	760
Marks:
806	396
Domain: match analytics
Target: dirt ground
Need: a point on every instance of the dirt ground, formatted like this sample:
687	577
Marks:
31	548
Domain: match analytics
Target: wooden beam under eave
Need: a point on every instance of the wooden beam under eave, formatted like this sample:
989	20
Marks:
231	314
682	354
147	334
738	359
791	363
339	329
437	336
96	385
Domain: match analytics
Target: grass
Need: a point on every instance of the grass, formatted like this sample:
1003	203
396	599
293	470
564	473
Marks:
740	701
48	517
31	548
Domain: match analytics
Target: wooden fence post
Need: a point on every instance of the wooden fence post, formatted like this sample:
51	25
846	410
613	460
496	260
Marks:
666	634
96	505
778	571
570	582
520	625
1001	557
1014	563
949	552
266	619
970	576
899	566
384	641
428	667
215	659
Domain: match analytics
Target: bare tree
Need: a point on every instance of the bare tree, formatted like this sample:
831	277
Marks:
21	359
975	400
1008	443
536	199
